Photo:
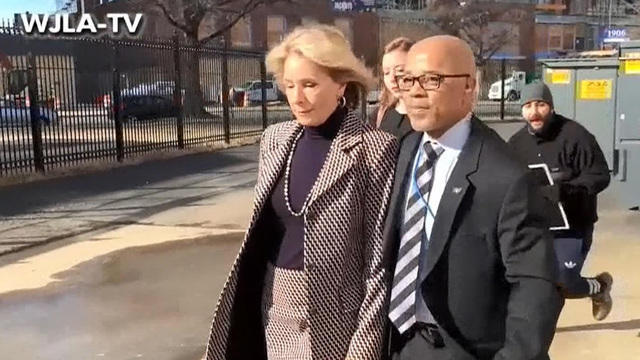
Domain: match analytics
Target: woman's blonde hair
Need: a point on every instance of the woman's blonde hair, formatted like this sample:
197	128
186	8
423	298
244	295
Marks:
387	100
327	47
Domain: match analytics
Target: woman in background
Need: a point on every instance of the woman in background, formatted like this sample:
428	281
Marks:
391	114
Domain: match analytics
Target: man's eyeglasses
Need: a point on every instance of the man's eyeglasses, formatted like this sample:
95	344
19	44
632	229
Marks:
427	81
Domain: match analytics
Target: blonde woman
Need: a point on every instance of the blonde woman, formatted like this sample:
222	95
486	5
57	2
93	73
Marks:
308	281
391	115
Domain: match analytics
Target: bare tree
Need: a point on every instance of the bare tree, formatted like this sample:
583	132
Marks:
471	21
475	22
202	21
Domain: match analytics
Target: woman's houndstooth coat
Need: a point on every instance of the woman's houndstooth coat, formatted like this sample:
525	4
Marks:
342	249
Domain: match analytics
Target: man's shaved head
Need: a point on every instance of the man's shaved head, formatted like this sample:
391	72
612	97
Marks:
448	53
436	110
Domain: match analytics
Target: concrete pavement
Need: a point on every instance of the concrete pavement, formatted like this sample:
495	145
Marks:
61	208
144	284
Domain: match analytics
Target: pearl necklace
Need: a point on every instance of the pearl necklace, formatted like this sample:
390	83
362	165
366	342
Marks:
286	182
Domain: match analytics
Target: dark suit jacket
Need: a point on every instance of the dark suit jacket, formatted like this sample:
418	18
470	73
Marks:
394	123
491	265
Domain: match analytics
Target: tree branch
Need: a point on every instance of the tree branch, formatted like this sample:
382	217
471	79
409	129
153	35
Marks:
492	47
170	17
247	8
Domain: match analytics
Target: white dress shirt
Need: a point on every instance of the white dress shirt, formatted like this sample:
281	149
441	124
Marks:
452	141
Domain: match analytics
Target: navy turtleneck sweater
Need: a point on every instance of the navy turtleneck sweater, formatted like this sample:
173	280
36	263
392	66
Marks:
309	156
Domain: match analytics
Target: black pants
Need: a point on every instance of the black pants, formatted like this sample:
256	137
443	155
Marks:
571	251
416	347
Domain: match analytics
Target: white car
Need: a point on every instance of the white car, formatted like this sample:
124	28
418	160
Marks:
161	88
512	87
253	93
250	93
12	114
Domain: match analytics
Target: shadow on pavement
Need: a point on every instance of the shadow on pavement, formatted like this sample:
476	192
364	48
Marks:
621	325
152	302
23	198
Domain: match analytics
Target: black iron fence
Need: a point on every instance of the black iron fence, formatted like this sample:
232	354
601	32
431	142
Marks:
501	81
68	101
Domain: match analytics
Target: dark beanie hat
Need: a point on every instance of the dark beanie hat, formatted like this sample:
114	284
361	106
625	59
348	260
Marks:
536	91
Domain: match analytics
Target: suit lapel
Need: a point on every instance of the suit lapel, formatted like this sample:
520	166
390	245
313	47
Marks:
274	160
404	127
405	161
454	192
394	219
339	160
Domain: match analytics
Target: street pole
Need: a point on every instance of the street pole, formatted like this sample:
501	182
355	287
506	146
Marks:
226	102
34	113
609	22
503	71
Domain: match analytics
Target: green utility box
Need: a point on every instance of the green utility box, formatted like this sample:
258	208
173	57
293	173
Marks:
601	90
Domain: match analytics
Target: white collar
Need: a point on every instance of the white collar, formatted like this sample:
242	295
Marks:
455	137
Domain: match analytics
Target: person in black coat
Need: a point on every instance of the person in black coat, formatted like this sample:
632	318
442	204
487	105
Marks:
580	171
470	261
391	114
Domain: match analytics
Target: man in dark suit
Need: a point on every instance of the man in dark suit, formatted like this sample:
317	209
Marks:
469	260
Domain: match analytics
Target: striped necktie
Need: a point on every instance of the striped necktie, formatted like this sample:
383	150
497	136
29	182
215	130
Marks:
403	297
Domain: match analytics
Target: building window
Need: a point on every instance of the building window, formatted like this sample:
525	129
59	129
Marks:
346	26
555	38
579	7
241	33
562	37
276	28
568	38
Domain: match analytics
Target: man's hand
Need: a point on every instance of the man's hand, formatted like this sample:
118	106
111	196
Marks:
561	176
551	192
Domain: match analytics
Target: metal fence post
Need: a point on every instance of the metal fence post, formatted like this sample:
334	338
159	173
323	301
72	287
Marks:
263	78
177	91
117	103
34	113
503	72
225	88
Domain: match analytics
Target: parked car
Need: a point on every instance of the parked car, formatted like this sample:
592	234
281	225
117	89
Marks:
250	93
253	94
12	114
512	87
159	88
163	88
142	107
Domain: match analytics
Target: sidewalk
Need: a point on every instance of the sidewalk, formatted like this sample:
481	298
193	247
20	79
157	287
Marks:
79	206
143	280
163	276
616	248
